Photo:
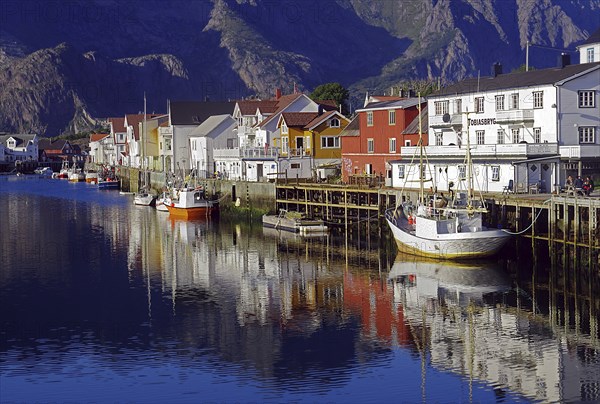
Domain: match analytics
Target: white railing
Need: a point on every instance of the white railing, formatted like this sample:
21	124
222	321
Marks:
580	151
437	121
514	115
246	152
519	150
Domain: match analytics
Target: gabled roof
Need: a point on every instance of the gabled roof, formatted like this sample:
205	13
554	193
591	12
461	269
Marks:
117	124
297	119
282	103
196	112
401	103
19	138
413	127
594	38
328	105
50	146
352	129
249	107
515	80
323	117
213	126
96	137
134	121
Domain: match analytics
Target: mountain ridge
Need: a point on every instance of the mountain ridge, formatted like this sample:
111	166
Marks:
62	66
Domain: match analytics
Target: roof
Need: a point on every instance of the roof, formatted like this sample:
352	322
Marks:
96	137
352	129
401	103
118	124
515	80
50	145
293	119
196	112
213	126
413	127
594	38
20	138
328	105
134	121
323	117
282	103
249	107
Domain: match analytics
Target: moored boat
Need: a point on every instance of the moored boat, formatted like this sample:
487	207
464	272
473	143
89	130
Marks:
191	203
91	177
76	174
63	174
294	222
44	172
144	198
161	202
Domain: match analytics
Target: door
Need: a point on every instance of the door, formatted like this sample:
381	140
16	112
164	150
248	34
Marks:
259	171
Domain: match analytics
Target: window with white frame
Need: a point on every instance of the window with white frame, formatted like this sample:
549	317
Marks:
392	117
537	135
284	128
515	135
587	98
499	103
587	134
538	99
479	103
401	171
439	139
441	107
285	142
407	143
590	55
514	101
462	172
370	145
334	123
393	145
458	106
480	135
330	142
369	118
500	139
495	173
168	144
193	144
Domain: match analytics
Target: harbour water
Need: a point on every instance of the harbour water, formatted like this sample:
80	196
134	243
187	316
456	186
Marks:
104	301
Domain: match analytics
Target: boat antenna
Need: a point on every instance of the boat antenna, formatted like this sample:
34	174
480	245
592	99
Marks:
422	188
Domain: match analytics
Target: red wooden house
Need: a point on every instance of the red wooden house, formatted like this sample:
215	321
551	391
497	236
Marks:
375	136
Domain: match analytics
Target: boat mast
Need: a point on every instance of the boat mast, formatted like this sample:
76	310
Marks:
421	179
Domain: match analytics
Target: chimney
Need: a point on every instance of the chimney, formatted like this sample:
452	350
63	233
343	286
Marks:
277	93
564	60
496	69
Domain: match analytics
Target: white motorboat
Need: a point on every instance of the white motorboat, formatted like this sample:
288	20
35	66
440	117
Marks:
294	222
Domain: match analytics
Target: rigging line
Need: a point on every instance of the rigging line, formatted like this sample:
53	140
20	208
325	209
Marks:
532	222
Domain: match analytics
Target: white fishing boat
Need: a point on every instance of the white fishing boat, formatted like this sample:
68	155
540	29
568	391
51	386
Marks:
144	198
441	228
76	174
190	203
161	201
91	177
294	222
44	172
63	174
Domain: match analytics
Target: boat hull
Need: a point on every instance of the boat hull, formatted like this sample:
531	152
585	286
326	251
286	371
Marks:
191	213
108	184
292	225
143	199
467	245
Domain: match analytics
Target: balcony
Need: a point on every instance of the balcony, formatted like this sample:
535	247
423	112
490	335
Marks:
247	153
437	121
580	151
514	116
517	150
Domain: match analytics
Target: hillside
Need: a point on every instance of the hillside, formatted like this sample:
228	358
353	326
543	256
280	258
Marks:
63	63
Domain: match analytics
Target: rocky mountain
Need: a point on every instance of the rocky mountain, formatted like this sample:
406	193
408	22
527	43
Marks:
62	64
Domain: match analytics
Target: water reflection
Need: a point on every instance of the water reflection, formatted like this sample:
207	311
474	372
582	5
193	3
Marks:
106	294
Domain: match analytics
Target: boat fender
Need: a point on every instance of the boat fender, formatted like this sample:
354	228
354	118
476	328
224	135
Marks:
411	220
172	204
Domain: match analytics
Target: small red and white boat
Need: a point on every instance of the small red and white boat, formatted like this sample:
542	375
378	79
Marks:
63	174
191	203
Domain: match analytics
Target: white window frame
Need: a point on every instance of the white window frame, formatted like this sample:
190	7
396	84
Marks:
537	135
401	170
334	123
327	140
501	134
392	117
514	101
369	118
587	134
284	128
495	173
480	136
516	135
458	106
441	107
462	172
590	55
370	145
586	98
538	99
407	143
479	105
499	103
393	145
285	144
439	139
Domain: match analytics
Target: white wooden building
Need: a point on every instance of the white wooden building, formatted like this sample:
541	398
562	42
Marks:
533	128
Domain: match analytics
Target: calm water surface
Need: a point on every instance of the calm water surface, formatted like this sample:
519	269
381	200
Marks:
104	301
